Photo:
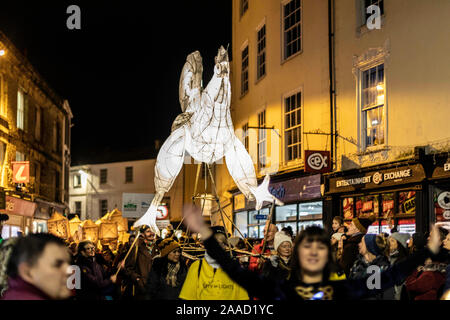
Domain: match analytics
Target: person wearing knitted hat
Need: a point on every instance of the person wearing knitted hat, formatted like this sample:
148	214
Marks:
277	267
398	251
371	253
168	272
348	245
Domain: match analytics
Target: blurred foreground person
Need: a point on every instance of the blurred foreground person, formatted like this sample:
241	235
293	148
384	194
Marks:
310	268
34	267
427	282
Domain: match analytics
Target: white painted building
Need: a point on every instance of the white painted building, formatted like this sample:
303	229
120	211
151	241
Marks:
96	189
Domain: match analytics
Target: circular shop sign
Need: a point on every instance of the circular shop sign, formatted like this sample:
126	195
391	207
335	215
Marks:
444	200
317	161
163	213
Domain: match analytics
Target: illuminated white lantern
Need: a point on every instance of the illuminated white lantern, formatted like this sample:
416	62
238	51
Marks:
205	131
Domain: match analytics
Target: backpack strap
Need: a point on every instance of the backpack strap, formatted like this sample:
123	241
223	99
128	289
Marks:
199	268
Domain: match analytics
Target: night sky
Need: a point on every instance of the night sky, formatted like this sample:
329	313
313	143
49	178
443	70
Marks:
120	72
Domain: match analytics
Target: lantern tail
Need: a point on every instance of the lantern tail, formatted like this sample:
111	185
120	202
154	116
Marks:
149	219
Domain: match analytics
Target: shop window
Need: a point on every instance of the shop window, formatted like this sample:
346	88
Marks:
348	208
256	224
407	202
388	204
441	201
310	214
240	220
367	206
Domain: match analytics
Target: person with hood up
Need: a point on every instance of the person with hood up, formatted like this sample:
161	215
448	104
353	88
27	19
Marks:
206	279
277	267
168	272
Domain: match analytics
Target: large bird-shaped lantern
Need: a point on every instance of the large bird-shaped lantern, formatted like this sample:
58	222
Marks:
206	132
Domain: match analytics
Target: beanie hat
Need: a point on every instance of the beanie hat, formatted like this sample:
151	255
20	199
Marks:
168	245
218	229
280	237
372	247
362	224
401	238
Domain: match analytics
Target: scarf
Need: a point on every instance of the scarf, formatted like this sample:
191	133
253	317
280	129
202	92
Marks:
172	271
213	263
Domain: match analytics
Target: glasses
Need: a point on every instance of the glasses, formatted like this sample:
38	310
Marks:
89	248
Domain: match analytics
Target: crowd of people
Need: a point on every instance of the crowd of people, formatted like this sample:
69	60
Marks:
315	264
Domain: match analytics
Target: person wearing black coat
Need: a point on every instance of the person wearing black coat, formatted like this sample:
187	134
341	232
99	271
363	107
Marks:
93	279
310	269
349	245
168	272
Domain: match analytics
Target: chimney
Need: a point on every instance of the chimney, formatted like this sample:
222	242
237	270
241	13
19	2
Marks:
157	144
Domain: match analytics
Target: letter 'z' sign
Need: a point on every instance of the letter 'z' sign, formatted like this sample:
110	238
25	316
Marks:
21	171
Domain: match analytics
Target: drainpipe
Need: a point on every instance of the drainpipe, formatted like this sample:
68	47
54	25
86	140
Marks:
332	82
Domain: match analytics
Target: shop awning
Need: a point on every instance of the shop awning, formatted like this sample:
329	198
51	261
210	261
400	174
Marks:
19	207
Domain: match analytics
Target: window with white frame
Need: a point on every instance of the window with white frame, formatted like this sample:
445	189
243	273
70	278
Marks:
20	109
372	105
261	55
292	32
244	71
128	174
245	135
103	176
243	6
368	3
77	180
293	126
20	156
103	207
78	208
262	140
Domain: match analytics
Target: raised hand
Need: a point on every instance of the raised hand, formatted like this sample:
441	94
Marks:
434	242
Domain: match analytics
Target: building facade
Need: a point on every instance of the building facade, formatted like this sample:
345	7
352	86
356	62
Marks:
34	127
391	106
96	189
280	108
365	80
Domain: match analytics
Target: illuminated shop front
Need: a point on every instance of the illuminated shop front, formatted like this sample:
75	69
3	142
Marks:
302	207
393	192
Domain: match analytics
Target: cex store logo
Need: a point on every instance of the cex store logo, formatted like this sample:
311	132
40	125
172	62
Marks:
21	171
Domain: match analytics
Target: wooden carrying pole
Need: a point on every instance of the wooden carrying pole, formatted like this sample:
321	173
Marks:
134	242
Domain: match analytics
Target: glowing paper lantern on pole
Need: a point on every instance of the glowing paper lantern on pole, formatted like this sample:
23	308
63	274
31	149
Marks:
89	231
73	228
204	130
122	223
107	230
58	225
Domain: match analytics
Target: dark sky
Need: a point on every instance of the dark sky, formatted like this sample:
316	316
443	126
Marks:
121	71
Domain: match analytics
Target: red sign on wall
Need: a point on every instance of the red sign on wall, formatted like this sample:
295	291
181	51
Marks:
21	171
317	161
